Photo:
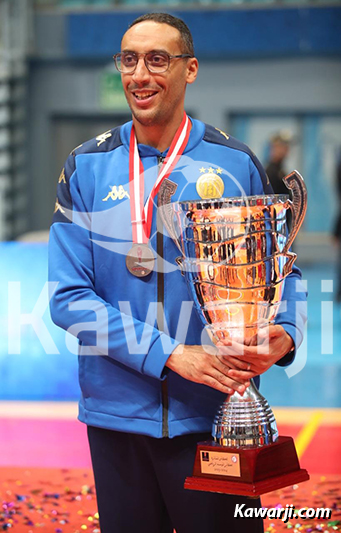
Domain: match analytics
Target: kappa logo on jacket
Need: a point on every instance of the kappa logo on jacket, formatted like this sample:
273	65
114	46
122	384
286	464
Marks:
58	207
103	137
62	178
116	193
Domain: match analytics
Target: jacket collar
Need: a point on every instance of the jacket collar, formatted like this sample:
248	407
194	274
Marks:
196	135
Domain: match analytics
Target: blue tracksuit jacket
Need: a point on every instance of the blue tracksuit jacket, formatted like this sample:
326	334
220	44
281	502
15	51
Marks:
125	385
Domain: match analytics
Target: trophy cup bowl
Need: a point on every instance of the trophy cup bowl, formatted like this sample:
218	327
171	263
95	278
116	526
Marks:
235	256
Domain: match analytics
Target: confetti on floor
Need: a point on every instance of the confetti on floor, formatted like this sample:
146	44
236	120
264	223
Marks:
318	492
48	501
64	501
50	486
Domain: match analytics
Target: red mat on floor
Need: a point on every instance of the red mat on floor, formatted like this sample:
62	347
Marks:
64	501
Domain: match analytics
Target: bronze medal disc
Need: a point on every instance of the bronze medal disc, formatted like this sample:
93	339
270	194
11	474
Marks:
140	260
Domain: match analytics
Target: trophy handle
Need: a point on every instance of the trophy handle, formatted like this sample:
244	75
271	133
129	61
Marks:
298	205
287	269
166	191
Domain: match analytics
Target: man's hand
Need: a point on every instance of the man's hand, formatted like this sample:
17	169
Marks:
264	350
211	369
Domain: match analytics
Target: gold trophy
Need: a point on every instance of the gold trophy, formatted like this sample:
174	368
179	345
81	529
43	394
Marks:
235	256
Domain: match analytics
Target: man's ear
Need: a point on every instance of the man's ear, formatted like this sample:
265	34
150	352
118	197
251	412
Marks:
192	69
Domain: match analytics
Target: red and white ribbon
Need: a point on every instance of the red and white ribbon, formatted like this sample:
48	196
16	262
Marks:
141	215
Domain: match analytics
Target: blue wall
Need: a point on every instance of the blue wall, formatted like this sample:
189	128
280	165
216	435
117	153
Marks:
32	374
220	33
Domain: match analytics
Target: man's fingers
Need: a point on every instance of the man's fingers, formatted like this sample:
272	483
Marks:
224	384
224	368
210	381
220	373
197	365
239	350
218	381
242	374
237	363
268	332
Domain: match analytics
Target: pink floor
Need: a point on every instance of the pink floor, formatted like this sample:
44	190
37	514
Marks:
44	443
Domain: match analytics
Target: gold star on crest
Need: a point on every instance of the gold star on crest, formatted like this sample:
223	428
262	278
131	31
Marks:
202	170
211	170
219	170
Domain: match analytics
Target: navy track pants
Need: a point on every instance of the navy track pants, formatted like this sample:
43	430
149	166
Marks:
139	484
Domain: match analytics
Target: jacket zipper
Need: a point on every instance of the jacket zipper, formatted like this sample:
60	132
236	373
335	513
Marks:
160	312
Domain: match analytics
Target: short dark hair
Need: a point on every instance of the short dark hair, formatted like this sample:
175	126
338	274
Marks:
164	18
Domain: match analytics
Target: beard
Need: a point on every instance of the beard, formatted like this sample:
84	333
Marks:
149	117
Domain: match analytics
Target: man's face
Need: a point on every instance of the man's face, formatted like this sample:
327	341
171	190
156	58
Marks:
279	151
155	98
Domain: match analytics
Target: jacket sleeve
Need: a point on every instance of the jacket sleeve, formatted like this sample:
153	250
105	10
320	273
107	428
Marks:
292	314
75	306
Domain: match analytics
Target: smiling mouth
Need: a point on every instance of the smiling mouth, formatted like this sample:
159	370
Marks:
144	96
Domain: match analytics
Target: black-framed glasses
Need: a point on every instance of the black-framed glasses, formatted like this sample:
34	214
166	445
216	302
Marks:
156	62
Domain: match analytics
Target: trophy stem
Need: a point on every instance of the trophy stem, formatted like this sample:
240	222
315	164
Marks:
245	420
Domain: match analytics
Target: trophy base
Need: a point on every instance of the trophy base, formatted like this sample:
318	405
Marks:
246	471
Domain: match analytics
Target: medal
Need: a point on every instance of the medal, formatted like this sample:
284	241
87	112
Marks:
140	258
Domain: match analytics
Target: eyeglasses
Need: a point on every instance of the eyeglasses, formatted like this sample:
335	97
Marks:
156	62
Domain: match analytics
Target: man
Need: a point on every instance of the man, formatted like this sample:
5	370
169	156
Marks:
150	389
275	169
